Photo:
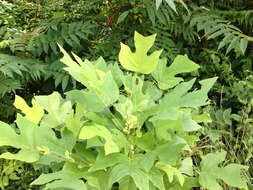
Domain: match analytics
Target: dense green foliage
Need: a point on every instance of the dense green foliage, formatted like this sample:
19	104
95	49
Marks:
215	34
122	129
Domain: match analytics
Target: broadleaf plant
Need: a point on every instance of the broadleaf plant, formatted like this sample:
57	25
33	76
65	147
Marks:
139	61
121	131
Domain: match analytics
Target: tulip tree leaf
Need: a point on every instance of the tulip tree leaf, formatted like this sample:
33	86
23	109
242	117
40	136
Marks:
32	141
122	131
179	97
156	177
139	61
127	183
165	76
55	106
68	177
101	85
34	113
89	132
230	174
122	170
170	172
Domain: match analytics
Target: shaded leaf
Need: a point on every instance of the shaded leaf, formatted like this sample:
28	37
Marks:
210	172
122	17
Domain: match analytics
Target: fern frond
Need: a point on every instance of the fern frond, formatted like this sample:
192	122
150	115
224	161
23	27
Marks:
164	41
12	65
213	26
8	85
62	33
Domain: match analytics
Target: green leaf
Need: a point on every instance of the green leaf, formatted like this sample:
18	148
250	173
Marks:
187	166
201	118
127	183
169	153
225	40
123	170
75	39
158	3
139	61
161	17
189	183
165	76
87	98
172	5
232	44
33	114
68	177
73	121
22	155
156	177
65	81
104	161
211	172
146	142
124	107
56	107
151	13
139	99
179	97
32	141
53	47
89	132
198	97
243	45
182	122
100	84
122	17
185	6
171	171
147	161
117	173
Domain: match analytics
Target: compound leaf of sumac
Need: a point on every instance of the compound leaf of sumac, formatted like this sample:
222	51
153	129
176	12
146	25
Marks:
211	172
139	61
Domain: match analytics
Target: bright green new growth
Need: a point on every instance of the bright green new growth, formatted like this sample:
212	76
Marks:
33	114
139	61
121	128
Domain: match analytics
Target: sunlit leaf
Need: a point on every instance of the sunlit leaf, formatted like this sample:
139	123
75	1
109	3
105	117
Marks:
34	113
139	61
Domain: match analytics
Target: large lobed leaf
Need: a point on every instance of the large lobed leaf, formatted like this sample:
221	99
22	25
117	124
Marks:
33	141
139	61
32	114
211	172
101	85
165	76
